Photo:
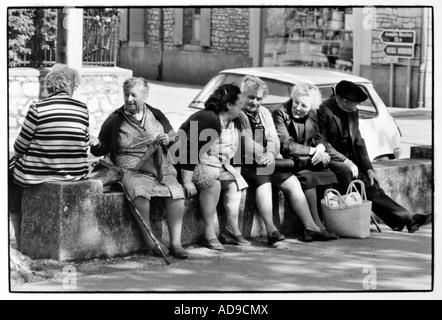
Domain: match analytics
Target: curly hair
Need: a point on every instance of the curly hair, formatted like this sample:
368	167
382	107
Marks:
132	82
60	78
254	83
218	100
308	93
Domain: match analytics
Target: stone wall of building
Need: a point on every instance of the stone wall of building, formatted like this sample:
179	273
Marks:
229	31
396	18
101	90
152	23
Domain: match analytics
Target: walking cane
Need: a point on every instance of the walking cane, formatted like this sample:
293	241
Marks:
141	222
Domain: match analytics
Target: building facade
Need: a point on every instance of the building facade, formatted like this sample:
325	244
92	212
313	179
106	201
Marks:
190	45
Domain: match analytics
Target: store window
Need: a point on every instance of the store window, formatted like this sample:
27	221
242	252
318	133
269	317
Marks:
317	37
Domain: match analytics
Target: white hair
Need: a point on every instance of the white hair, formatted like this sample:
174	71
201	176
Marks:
254	83
308	93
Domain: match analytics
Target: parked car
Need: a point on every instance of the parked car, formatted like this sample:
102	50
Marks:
378	128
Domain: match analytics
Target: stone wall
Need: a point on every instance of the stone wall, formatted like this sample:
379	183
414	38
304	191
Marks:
151	24
396	18
229	31
101	90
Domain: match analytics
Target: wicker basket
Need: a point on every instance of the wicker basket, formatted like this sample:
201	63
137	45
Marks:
348	221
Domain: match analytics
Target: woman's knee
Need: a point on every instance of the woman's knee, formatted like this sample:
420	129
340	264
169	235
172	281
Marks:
291	185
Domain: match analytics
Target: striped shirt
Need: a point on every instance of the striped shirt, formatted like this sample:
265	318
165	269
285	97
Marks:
53	142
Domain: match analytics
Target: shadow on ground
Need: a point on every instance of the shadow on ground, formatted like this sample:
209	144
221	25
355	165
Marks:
387	261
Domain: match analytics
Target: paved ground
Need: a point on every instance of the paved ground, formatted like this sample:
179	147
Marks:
387	261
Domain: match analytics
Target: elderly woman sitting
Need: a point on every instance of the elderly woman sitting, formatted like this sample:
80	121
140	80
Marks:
53	142
262	136
214	170
126	136
297	126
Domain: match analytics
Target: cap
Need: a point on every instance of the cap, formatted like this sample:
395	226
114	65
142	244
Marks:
349	90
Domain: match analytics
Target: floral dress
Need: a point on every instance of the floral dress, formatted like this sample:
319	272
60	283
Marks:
134	139
215	163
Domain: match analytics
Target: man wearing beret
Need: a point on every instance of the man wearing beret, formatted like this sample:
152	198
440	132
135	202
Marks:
339	125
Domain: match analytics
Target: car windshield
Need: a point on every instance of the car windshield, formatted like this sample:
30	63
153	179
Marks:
279	92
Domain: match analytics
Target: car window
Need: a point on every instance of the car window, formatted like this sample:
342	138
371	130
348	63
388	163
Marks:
279	92
367	109
202	97
326	92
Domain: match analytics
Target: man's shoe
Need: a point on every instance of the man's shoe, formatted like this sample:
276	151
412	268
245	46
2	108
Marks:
276	236
322	235
418	220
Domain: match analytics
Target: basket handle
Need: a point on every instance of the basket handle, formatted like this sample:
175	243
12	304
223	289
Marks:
341	201
352	186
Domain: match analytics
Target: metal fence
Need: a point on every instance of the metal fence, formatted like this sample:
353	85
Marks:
48	61
100	44
100	40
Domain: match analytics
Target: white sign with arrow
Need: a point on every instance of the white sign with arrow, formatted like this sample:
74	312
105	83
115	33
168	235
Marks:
398	43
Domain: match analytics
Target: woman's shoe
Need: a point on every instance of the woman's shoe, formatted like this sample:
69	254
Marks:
323	235
178	253
332	234
213	244
229	238
276	236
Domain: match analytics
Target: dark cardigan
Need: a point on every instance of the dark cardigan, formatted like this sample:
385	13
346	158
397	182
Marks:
190	141
108	135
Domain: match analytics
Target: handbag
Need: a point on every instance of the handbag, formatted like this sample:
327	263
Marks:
348	215
107	173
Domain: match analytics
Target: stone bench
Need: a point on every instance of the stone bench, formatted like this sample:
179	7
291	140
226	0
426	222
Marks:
68	221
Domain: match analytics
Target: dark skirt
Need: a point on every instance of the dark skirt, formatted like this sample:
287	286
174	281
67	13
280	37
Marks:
312	179
250	175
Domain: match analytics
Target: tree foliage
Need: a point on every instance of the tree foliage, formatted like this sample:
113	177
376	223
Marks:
20	31
33	32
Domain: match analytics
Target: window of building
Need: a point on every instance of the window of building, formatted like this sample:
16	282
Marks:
317	37
192	25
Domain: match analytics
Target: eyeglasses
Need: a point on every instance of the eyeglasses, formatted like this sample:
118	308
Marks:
297	103
252	97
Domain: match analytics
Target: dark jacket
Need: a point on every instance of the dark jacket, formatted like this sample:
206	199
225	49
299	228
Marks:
288	135
195	141
108	135
330	125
